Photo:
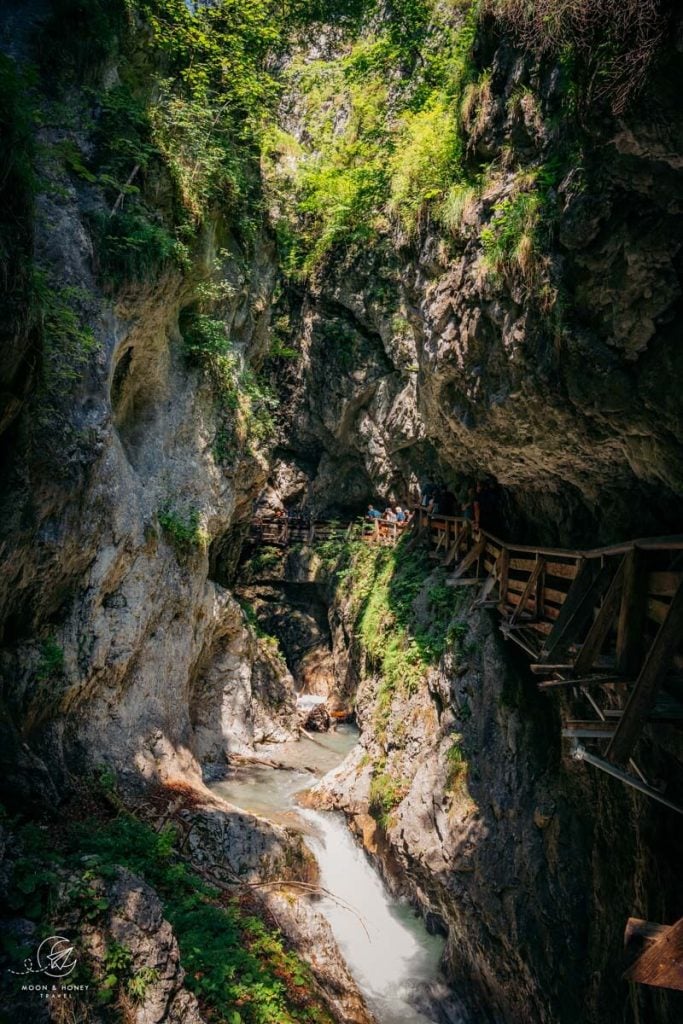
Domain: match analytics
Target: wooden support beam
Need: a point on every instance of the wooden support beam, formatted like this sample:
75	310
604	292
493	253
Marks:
531	585
551	684
661	964
453	550
644	693
588	729
576	612
602	623
467	561
503	573
632	612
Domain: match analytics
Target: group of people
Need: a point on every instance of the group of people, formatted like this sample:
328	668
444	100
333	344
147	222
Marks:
391	514
477	504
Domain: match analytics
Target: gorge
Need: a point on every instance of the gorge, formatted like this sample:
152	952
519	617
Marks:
299	258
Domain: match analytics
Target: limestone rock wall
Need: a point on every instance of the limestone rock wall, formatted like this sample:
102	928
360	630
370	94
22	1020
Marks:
117	647
417	359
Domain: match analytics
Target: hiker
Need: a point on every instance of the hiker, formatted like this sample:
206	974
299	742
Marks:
389	515
470	509
428	492
400	514
373	513
448	503
487	501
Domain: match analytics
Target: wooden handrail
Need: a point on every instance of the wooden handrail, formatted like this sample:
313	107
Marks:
671	543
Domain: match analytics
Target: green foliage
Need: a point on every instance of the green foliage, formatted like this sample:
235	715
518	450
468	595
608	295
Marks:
386	792
244	402
51	662
511	239
132	247
67	341
404	615
266	561
184	529
208	346
396	638
456	767
119	972
236	965
425	162
396	150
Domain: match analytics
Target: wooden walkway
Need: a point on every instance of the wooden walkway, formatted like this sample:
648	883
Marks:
282	531
603	626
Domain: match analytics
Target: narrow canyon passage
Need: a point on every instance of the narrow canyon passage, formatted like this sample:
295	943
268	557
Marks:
341	511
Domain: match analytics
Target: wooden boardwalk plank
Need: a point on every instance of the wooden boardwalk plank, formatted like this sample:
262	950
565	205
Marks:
632	612
597	634
661	964
644	693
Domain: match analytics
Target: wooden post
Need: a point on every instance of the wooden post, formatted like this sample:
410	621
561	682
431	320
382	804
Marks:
504	570
585	592
632	612
597	634
528	590
644	693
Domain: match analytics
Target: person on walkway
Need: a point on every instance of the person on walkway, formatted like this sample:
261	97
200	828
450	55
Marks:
448	503
400	514
487	499
470	510
428	492
373	513
389	515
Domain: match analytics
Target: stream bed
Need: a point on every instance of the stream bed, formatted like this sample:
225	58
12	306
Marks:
386	945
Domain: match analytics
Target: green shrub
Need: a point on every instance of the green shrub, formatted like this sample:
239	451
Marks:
456	767
386	793
425	163
511	239
183	529
134	248
239	968
51	662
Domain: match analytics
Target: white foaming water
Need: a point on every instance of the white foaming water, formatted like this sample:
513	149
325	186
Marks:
309	700
393	958
386	946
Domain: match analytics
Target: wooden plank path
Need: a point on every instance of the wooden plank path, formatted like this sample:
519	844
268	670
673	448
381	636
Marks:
603	626
283	531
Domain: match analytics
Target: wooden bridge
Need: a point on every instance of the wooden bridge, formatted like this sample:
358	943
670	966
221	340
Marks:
282	531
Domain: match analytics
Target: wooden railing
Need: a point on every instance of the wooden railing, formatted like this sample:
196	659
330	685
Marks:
603	625
283	530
